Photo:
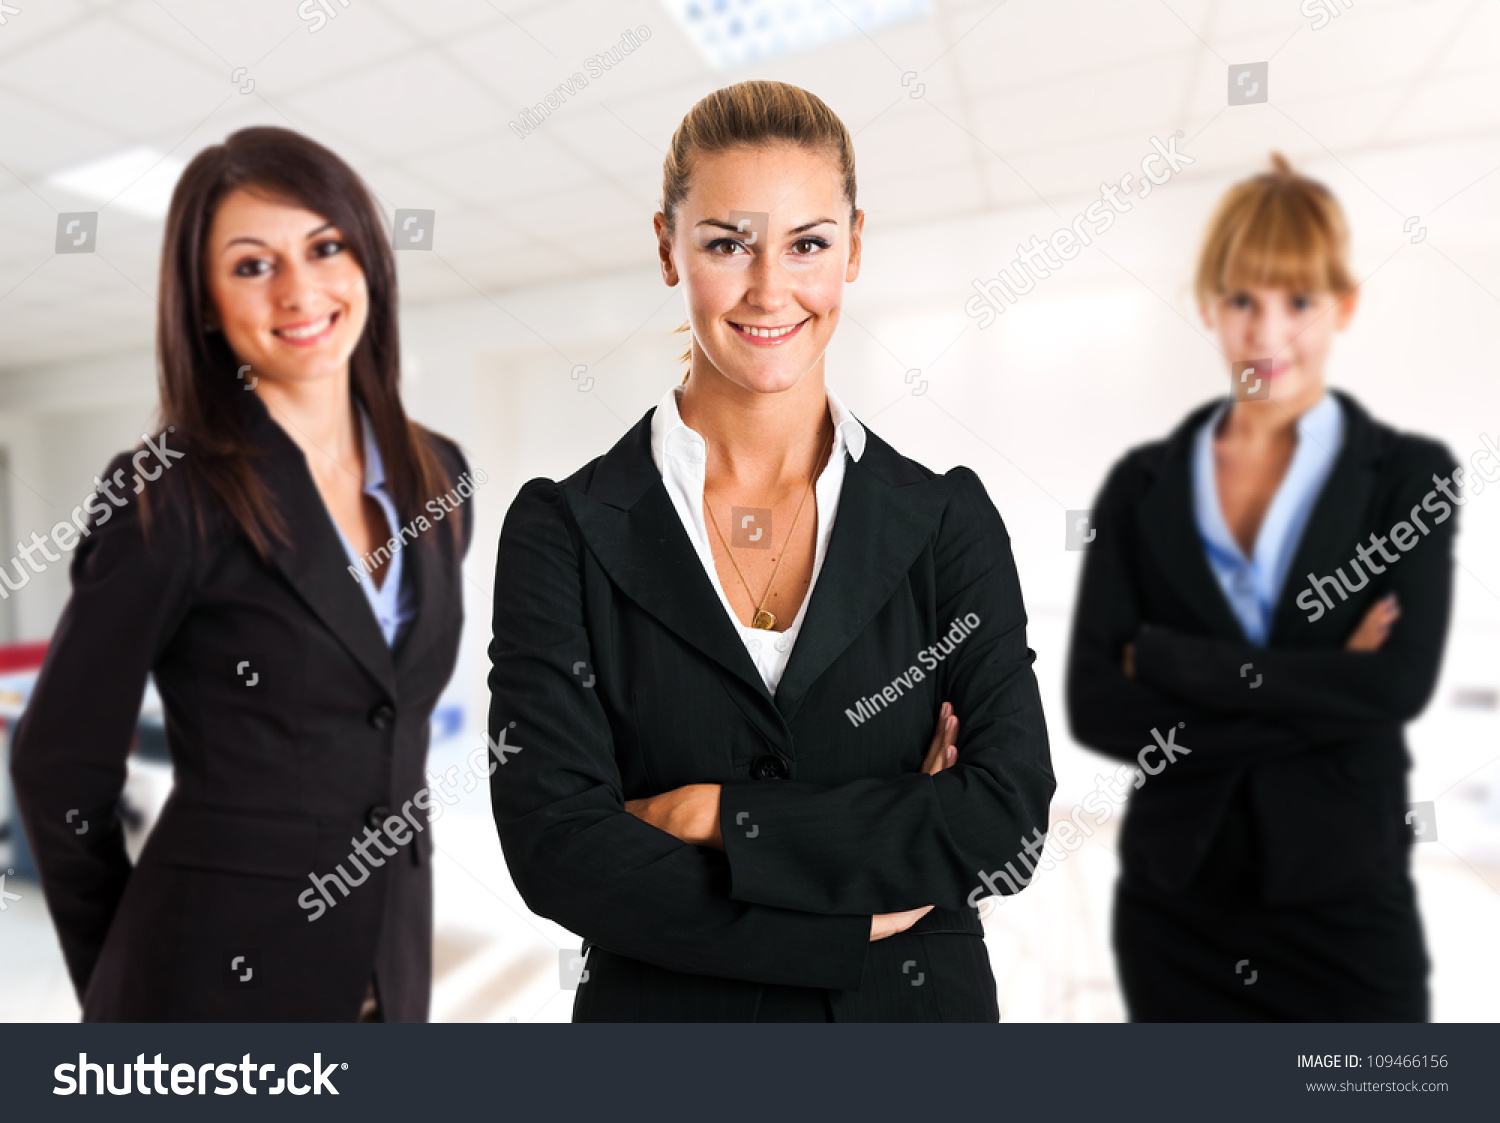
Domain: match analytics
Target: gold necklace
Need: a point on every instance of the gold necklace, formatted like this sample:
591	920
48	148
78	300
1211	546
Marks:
763	619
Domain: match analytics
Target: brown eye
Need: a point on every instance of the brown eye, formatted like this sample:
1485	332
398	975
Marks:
252	267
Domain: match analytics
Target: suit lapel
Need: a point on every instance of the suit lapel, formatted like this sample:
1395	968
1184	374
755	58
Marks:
426	556
630	525
882	523
1169	527
314	562
1335	525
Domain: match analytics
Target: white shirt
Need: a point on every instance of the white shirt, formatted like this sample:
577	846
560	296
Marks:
680	453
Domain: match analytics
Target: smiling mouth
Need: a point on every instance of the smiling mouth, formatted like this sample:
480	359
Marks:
309	332
768	335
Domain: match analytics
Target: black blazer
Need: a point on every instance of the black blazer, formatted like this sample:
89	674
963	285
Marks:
618	672
1314	732
272	780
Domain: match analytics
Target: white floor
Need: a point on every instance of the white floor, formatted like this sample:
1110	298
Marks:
496	962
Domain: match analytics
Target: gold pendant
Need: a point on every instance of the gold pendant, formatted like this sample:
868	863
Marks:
763	620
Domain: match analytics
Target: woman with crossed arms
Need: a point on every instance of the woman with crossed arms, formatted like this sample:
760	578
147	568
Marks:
684	634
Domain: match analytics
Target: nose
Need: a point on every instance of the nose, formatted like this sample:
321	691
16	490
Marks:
1269	330
295	289
766	283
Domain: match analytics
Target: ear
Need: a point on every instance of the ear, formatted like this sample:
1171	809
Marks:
669	274
1206	314
1344	310
856	245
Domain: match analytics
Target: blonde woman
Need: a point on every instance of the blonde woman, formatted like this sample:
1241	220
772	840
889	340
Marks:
1265	603
737	646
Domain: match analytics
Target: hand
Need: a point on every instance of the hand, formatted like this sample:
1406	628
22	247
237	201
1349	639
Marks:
942	752
890	923
1127	660
1376	625
689	813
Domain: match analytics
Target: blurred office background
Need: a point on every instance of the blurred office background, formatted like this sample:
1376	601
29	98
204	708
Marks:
537	329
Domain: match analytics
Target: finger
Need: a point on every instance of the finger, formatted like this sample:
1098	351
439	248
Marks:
947	727
939	727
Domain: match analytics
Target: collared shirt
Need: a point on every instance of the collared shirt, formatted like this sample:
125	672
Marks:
1253	585
679	453
393	602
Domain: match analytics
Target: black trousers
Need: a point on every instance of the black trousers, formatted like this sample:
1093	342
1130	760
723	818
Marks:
1217	953
793	1004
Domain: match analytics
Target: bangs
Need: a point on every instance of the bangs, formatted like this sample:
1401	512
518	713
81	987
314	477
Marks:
1276	234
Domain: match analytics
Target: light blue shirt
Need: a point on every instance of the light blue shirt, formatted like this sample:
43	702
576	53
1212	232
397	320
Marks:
393	602
1253	585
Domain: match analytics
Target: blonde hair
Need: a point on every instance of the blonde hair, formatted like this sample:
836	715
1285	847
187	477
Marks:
1279	229
748	114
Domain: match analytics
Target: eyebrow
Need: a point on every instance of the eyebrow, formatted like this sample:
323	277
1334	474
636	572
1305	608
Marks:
806	226
249	241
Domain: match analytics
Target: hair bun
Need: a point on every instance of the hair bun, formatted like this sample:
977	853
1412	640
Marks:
1280	167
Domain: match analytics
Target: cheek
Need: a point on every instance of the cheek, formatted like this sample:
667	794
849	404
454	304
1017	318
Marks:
713	288
242	310
822	288
1313	341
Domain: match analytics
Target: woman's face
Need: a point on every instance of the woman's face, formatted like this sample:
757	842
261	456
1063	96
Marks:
1294	330
286	291
763	246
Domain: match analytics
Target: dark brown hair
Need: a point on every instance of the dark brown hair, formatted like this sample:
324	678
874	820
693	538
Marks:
748	114
1279	229
196	367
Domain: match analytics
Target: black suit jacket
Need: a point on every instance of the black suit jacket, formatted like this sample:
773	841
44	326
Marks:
618	671
1313	732
272	780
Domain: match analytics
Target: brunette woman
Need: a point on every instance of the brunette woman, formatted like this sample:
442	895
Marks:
300	614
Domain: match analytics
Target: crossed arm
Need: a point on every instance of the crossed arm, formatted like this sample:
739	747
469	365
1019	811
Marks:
799	909
691	814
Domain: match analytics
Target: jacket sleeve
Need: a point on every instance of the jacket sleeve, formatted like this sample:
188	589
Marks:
1390	686
576	855
1113	713
130	593
886	845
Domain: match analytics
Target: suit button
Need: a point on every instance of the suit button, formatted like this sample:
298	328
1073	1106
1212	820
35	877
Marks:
382	716
376	816
768	766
